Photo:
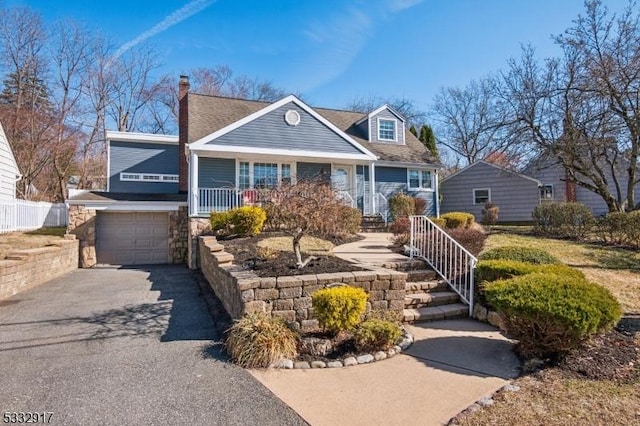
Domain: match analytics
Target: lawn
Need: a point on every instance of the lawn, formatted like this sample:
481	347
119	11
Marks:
552	396
26	240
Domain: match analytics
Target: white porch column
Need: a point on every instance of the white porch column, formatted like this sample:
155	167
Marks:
436	196
372	187
193	181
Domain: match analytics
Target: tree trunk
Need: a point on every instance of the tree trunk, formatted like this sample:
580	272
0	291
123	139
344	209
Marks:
296	249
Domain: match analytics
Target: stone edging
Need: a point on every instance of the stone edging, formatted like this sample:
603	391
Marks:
487	401
405	343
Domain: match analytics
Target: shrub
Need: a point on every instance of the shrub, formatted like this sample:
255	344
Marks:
520	254
619	228
458	219
493	270
565	220
376	334
247	220
551	314
421	206
339	308
401	205
258	341
401	228
490	213
350	220
439	221
471	239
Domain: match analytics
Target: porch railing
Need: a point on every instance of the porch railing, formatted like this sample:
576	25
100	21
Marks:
445	255
219	199
346	198
382	206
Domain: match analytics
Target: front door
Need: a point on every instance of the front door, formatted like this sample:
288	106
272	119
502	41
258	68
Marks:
342	180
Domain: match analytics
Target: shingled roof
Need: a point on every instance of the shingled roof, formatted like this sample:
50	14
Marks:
208	114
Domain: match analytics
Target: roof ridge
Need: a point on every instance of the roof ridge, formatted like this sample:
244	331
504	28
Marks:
230	98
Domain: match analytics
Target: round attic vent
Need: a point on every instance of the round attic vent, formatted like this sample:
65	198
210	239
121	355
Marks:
292	117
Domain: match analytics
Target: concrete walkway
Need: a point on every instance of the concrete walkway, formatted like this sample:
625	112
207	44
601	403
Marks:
372	250
451	365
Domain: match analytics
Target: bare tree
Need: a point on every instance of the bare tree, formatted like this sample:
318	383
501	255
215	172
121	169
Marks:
404	106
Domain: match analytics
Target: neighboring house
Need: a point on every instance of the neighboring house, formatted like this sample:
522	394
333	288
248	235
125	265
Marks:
230	147
470	188
9	172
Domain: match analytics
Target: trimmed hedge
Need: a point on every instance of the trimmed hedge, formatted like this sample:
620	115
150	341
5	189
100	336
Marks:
500	269
339	308
458	219
247	220
401	205
564	220
620	228
551	314
520	254
376	334
351	219
439	221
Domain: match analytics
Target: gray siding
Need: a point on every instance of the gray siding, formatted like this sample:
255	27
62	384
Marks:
393	180
8	169
134	157
516	196
271	131
216	172
550	173
313	170
373	127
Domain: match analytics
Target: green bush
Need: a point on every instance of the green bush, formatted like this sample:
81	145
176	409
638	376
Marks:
551	314
458	219
564	220
619	228
439	221
493	270
471	239
339	308
376	334
520	254
247	220
401	205
259	341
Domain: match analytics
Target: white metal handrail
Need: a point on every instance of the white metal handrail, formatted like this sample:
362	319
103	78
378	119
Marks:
445	255
346	197
382	206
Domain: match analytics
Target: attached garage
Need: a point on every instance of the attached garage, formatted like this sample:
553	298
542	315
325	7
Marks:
132	238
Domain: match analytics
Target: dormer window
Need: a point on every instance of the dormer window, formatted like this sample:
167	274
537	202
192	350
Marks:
386	129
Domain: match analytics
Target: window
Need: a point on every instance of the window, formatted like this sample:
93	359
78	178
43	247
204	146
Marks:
386	129
481	196
148	177
263	175
546	193
419	179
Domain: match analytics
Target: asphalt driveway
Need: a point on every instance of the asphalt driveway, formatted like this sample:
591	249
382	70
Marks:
125	346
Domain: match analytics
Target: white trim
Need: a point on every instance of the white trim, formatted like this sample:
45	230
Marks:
473	193
140	177
492	165
420	188
279	163
194	184
108	163
395	129
436	194
277	152
141	137
553	192
428	166
378	111
202	143
113	205
372	187
292	117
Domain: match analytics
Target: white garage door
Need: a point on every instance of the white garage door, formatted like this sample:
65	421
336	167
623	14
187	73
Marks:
132	238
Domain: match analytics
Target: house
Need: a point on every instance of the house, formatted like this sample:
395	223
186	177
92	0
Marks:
228	148
470	188
9	172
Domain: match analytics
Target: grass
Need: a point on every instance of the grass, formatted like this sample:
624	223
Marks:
26	240
550	397
308	245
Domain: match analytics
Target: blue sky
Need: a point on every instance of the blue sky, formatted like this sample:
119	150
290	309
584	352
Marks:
332	51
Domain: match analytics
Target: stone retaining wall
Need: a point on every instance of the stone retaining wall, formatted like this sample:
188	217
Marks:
289	297
23	269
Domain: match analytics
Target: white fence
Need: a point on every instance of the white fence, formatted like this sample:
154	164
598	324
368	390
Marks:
22	215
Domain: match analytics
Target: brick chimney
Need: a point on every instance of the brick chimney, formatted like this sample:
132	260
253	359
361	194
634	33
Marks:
183	133
570	188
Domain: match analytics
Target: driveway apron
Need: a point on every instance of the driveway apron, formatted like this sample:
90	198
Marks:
125	346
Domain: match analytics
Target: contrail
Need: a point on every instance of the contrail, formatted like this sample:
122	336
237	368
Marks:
185	12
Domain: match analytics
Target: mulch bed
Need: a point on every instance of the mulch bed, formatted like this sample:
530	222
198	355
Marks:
611	356
244	250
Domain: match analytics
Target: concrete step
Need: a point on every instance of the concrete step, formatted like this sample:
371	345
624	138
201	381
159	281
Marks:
434	298
411	265
435	313
425	286
421	275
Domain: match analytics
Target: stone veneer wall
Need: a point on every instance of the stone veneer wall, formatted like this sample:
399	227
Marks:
82	224
178	235
289	297
23	269
197	226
